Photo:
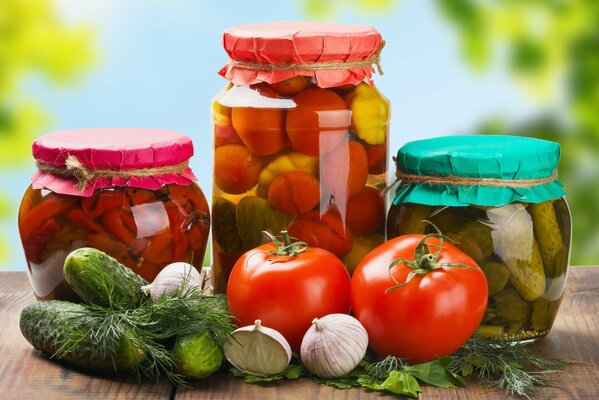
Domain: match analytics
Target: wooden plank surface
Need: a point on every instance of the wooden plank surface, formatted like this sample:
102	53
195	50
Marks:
25	373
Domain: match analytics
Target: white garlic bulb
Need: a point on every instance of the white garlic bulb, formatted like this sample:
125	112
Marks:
258	350
334	345
171	278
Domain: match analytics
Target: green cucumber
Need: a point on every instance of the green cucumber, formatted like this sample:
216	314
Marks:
197	355
48	325
101	280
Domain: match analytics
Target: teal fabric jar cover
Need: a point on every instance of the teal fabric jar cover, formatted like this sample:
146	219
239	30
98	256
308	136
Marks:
483	170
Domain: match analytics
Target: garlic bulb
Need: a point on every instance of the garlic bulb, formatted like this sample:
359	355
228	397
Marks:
171	278
258	350
334	345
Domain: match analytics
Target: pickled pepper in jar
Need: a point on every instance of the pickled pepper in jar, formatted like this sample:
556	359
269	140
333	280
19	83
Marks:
128	192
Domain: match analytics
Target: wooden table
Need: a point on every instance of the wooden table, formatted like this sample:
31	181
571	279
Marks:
25	373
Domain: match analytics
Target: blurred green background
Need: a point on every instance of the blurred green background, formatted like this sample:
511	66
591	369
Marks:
527	67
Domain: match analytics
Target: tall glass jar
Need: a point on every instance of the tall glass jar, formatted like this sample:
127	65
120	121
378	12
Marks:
127	192
300	141
497	198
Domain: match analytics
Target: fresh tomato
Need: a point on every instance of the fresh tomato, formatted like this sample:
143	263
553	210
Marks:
418	297
326	231
287	288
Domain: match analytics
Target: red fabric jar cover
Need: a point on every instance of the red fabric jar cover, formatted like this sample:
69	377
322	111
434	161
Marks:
136	152
272	52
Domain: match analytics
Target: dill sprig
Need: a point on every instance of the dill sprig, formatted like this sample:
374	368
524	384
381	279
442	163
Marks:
150	327
511	367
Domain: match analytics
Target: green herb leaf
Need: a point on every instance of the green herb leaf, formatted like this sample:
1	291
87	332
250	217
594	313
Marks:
292	372
435	373
398	382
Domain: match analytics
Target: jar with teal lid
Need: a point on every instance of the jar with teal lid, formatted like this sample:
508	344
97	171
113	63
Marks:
499	200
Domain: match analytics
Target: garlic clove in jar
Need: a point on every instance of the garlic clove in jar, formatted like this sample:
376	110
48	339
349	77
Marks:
258	350
334	345
172	277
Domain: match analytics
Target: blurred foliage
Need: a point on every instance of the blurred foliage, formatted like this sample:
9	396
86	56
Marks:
551	48
33	42
323	9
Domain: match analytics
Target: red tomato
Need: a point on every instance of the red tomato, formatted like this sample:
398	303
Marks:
433	315
287	292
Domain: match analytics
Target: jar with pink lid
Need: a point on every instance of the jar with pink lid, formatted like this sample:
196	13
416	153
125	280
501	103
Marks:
126	191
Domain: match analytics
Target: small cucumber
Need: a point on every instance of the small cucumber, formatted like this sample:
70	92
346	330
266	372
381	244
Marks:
101	280
48	324
197	355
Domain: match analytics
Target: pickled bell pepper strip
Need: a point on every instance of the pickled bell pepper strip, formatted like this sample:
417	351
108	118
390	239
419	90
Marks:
159	249
31	199
50	206
111	220
548	235
129	220
83	221
179	239
108	245
105	200
197	236
39	239
139	195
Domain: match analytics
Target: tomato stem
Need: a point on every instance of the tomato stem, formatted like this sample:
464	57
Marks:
288	247
423	261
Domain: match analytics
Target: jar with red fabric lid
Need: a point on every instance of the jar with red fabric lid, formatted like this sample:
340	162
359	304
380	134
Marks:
126	191
300	141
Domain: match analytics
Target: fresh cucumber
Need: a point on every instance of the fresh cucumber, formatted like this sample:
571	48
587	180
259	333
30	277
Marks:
48	325
101	280
197	355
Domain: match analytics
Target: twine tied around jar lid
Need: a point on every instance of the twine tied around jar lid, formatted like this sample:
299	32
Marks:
83	174
314	66
453	180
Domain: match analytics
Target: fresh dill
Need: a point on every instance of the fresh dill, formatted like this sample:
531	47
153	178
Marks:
511	367
150	327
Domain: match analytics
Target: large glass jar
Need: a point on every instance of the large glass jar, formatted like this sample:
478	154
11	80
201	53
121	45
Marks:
497	198
300	141
127	192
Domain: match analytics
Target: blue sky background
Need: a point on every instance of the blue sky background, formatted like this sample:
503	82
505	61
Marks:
158	63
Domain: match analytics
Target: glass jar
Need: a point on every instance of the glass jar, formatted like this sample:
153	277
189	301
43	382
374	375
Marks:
497	198
127	192
300	141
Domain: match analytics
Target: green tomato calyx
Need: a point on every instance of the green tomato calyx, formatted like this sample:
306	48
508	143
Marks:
423	261
286	247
